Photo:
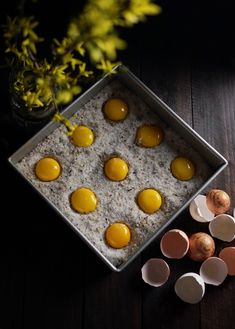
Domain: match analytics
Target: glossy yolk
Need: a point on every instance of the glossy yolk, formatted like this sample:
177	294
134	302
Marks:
149	135
118	235
116	169
47	169
115	109
82	136
83	200
149	200
182	168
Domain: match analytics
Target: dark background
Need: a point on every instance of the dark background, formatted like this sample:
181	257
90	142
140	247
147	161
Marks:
48	276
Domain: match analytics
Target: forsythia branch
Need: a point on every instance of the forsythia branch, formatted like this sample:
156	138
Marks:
91	43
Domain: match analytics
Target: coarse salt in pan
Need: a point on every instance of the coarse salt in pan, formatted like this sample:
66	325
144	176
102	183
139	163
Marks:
84	167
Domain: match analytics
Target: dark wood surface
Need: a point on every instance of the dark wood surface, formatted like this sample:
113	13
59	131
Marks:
48	277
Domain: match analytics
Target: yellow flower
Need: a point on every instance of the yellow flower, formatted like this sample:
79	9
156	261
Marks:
76	90
102	27
73	31
80	49
110	44
27	43
95	53
106	66
83	72
69	59
138	9
32	99
59	73
63	46
68	124
64	96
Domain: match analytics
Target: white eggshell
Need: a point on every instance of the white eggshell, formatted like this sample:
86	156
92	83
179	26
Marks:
190	287
199	210
155	272
213	271
223	227
174	244
234	212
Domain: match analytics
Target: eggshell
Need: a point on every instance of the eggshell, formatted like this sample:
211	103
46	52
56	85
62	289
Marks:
195	212
228	256
199	211
155	272
213	271
223	227
190	287
174	244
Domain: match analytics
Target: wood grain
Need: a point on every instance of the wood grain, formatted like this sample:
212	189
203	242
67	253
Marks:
48	276
213	90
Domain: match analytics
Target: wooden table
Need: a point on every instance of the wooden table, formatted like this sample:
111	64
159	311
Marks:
48	276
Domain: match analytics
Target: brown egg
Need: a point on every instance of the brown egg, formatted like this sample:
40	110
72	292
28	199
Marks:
217	201
201	246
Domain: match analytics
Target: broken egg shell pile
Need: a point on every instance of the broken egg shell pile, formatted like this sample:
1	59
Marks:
211	209
204	207
175	244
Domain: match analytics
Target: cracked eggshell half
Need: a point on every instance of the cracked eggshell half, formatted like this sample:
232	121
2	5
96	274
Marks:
228	256
190	288
214	271
155	272
223	227
199	211
174	244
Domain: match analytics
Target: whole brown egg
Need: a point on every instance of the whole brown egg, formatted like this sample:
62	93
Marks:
217	201
201	246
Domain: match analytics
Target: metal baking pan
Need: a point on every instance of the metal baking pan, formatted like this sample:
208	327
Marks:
215	160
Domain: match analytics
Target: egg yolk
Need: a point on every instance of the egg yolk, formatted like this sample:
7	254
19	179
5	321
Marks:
82	136
83	200
115	109
118	235
182	168
149	200
149	135
116	169
47	169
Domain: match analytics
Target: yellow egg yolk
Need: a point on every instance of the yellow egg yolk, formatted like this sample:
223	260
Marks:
118	235
83	200
182	168
47	169
115	109
149	200
149	135
116	169
82	136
